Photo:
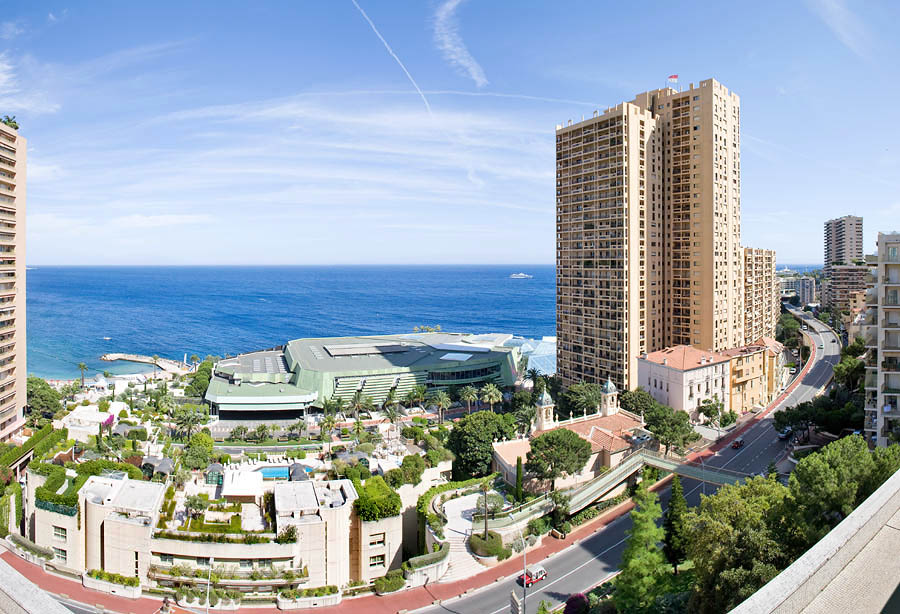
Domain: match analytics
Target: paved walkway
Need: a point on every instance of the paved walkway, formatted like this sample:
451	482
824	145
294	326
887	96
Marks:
459	513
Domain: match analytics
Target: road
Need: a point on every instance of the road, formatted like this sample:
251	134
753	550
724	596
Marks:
594	559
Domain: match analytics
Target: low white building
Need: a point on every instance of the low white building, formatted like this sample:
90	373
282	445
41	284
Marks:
84	421
683	376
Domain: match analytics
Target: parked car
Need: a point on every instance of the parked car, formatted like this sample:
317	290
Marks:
793	370
533	574
738	443
785	433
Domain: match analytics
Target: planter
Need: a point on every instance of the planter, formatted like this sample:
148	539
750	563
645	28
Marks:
224	604
487	561
131	592
307	602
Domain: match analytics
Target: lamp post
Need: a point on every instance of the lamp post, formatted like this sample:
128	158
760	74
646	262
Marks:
209	582
524	570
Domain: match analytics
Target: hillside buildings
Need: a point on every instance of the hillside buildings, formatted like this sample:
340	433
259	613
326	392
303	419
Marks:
801	286
845	267
305	372
882	382
648	233
13	359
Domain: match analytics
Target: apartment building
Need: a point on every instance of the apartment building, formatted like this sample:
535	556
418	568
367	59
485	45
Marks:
757	374
762	294
610	297
803	287
845	269
882	383
13	373
648	231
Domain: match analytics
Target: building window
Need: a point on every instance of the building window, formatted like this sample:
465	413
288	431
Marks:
203	561
376	539
59	533
265	562
246	564
376	561
59	554
166	559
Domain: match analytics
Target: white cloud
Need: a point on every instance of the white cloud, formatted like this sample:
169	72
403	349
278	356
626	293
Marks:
14	97
449	41
844	24
10	30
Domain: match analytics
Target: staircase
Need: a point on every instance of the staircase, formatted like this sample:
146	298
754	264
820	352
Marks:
459	526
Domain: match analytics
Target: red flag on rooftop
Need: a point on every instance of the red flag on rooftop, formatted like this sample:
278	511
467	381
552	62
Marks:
673	78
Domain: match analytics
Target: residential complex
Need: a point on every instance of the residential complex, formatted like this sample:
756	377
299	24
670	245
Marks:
305	372
803	287
13	373
845	270
743	378
648	232
762	294
882	382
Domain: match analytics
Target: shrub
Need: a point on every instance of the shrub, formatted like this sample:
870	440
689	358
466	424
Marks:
115	578
577	604
390	582
376	500
288	535
123	414
492	546
30	546
538	526
413	433
417	562
103	405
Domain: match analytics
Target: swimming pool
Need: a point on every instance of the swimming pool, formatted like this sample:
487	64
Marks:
274	473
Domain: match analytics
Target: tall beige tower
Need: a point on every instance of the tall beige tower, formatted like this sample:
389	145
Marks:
13	366
762	294
649	257
845	270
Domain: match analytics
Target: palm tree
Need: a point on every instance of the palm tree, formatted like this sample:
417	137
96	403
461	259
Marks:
155	360
82	367
239	432
490	394
360	402
194	359
441	400
534	375
262	432
392	415
468	394
327	425
586	396
328	406
10	120
339	405
410	398
421	393
358	429
187	420
298	427
390	399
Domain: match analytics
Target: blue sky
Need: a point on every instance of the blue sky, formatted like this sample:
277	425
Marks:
288	133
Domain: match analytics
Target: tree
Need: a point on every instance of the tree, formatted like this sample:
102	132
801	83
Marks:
392	415
441	400
238	433
490	394
472	439
739	539
326	426
829	484
637	401
187	419
468	394
855	349
675	540
82	367
420	392
360	403
493	504
586	397
201	441
525	418
712	409
195	505
556	454
520	495
194	359
849	372
390	399
672	428
155	365
772	469
412	467
181	477
642	561
10	120
577	604
41	397
262	432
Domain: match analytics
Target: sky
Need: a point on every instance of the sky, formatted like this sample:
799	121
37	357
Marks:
418	132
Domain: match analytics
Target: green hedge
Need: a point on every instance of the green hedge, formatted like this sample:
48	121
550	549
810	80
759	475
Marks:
319	591
48	443
424	502
249	538
376	500
56	476
424	560
492	546
390	582
14	454
16	488
115	578
30	546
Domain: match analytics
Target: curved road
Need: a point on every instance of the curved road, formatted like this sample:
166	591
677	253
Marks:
591	561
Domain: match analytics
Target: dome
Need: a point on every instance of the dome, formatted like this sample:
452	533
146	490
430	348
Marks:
545	400
609	387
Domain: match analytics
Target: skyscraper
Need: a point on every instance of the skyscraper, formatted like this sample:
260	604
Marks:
648	231
13	369
845	270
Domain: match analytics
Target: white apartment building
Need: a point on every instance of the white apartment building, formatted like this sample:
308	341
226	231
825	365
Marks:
803	287
683	376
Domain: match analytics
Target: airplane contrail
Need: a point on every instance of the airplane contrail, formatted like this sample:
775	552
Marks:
393	55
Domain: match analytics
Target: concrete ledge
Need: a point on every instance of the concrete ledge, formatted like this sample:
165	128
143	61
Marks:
20	596
805	579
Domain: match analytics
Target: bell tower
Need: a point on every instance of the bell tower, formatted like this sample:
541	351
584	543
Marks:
545	419
609	400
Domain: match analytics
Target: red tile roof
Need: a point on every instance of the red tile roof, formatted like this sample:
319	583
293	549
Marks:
684	357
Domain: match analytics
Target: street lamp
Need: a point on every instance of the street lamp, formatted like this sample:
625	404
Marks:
209	582
524	570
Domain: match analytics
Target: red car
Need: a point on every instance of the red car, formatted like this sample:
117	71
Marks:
738	443
532	575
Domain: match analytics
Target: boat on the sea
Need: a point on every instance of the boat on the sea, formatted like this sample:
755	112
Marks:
107	338
520	276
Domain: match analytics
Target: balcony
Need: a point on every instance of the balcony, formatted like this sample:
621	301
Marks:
871	382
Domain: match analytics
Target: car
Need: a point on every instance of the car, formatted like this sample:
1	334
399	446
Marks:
532	575
793	370
738	443
821	346
785	433
834	340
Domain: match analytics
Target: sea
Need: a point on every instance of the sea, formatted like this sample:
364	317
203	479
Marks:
77	314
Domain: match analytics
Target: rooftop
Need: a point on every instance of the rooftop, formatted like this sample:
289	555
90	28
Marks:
239	483
299	501
684	357
124	494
